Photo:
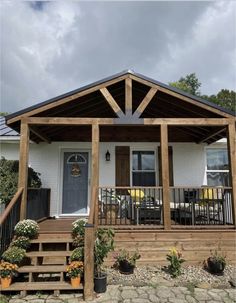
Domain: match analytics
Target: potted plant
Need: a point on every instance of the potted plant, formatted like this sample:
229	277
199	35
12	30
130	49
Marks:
14	255
77	254
74	271
216	263
7	271
78	231
27	228
104	243
22	242
126	261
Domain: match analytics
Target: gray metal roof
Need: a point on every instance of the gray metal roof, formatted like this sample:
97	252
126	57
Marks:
200	100
6	130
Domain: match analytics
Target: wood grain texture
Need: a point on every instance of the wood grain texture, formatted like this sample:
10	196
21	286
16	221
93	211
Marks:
145	101
165	176
23	167
110	100
89	263
232	164
128	95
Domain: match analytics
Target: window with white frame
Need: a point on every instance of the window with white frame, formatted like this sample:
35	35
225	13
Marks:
217	167
143	168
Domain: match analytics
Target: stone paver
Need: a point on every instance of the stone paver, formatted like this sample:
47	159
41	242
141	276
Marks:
131	294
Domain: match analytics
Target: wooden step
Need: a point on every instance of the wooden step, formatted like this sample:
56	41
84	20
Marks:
42	269
66	238
51	253
40	286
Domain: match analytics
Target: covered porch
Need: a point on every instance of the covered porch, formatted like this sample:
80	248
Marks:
126	108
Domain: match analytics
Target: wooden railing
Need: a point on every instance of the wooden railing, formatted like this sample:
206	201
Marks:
130	206
8	220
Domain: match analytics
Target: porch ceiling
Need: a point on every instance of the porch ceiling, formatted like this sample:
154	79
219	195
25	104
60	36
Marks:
108	99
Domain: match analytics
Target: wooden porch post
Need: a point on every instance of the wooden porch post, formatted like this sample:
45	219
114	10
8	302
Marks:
23	167
95	171
90	228
89	262
231	140
165	176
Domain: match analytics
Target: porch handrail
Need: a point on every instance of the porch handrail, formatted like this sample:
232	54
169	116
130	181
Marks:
9	207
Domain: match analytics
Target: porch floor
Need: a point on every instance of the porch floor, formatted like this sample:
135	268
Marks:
64	226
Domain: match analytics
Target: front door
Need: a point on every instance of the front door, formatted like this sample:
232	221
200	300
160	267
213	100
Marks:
75	183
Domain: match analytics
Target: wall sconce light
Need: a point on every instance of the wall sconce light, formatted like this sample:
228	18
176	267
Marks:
108	156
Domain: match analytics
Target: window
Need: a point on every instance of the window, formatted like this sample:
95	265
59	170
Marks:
143	168
217	170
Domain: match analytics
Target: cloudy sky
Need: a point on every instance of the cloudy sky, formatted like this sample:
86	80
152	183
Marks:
48	48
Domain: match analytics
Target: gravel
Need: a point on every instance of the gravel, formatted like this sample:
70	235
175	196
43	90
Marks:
157	275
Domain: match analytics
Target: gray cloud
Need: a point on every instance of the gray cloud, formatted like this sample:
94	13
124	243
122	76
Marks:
52	48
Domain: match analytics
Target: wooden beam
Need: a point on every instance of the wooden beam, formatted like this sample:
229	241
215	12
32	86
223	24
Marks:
128	95
89	262
39	135
212	134
182	97
67	121
187	121
23	167
95	172
110	100
66	99
145	101
232	165
165	177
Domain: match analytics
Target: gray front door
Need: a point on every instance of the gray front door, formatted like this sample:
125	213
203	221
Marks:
75	183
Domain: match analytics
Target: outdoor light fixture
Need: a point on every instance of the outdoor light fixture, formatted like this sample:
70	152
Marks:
108	156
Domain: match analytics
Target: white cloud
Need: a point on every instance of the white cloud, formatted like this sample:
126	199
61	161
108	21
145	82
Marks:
51	48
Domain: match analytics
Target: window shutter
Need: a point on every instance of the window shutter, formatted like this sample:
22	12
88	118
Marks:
122	166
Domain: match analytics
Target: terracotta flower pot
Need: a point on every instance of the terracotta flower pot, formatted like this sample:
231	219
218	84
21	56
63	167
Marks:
75	282
6	282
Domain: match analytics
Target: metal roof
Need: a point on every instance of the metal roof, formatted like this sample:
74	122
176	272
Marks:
213	105
6	130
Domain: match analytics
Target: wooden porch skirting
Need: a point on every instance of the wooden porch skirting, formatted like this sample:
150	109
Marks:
196	245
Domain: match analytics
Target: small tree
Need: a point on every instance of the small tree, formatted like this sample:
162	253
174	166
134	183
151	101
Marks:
9	179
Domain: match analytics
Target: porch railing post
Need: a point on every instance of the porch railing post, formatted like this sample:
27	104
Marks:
23	166
231	140
89	262
165	176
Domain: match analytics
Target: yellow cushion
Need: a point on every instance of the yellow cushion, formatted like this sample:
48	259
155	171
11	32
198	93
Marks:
136	194
211	193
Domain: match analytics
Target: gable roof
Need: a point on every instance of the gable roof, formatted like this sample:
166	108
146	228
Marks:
104	80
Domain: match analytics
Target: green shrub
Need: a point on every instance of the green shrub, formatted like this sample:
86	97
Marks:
27	228
22	242
14	255
77	254
9	179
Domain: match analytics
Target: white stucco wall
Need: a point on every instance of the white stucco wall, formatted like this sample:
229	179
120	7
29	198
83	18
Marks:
188	162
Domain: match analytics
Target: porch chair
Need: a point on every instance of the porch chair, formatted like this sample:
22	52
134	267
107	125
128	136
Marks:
144	209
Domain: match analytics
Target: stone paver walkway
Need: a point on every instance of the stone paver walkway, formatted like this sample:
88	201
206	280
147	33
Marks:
146	294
